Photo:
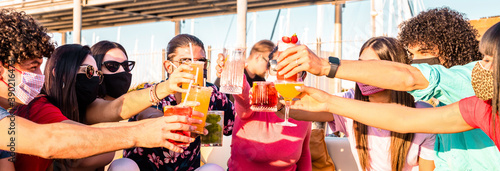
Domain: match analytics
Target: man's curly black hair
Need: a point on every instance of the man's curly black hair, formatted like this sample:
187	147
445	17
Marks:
22	38
445	29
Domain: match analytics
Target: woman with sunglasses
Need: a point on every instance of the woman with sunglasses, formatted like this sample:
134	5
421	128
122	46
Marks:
112	59
114	103
479	111
178	52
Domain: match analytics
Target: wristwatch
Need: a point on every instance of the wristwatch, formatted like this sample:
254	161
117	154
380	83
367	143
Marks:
334	65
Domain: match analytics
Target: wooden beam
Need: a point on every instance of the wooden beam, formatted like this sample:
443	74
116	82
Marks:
185	8
134	4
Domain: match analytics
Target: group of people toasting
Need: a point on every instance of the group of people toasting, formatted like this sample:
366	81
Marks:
426	100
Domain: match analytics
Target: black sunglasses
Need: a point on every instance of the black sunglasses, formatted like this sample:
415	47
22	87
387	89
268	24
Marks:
113	66
89	72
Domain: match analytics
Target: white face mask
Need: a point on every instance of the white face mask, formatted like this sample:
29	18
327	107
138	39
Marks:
29	87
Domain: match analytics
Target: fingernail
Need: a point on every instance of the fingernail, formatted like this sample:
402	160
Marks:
298	87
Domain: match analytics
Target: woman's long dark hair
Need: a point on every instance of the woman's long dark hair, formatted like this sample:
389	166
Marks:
60	78
388	49
490	45
99	50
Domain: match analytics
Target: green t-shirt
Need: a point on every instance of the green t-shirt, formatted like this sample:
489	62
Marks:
470	150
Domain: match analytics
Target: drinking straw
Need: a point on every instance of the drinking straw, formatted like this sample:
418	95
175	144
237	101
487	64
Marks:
189	88
191	49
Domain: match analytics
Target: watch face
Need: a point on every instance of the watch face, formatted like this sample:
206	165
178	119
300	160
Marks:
334	60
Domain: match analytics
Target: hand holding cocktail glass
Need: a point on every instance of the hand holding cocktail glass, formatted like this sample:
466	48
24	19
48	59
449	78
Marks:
231	81
311	99
193	118
181	75
300	58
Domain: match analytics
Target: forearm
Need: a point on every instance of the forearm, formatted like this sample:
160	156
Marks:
62	140
399	118
302	115
383	74
124	107
242	101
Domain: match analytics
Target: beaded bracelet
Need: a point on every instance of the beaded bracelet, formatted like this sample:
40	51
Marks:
153	98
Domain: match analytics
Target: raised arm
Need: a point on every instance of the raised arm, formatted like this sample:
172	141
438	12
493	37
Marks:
63	140
391	117
383	74
134	102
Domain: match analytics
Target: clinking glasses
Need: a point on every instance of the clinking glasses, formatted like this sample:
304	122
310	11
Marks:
113	66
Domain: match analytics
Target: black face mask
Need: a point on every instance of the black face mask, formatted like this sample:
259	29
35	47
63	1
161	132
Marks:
117	84
86	90
430	61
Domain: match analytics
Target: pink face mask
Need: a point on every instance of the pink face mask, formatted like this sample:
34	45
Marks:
29	86
367	90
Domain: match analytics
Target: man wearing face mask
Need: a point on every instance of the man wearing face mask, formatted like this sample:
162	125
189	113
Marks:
21	52
427	34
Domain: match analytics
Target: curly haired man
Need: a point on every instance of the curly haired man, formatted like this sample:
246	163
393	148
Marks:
23	43
437	33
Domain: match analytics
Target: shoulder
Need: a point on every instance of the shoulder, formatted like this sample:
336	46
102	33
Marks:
474	102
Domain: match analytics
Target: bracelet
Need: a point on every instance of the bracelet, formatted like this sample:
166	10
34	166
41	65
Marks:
153	98
155	94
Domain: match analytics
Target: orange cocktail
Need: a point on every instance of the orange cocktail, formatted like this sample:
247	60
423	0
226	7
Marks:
287	89
175	110
201	95
199	81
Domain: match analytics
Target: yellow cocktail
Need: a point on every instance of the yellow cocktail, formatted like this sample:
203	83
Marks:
288	92
287	89
199	81
201	95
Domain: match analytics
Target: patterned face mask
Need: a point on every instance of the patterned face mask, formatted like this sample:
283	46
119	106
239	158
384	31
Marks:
367	90
482	82
29	87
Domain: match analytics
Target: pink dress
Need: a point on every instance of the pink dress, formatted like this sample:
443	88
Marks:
379	141
259	144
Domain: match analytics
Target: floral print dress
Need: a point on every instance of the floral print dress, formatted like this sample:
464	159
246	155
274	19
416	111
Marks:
162	159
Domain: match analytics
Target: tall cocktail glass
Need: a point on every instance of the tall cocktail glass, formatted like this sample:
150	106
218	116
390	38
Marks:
201	95
232	73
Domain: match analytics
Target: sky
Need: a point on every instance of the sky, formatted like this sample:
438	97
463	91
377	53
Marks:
145	41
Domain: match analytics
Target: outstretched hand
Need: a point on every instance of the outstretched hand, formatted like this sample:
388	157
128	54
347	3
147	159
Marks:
311	99
179	76
300	58
157	131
